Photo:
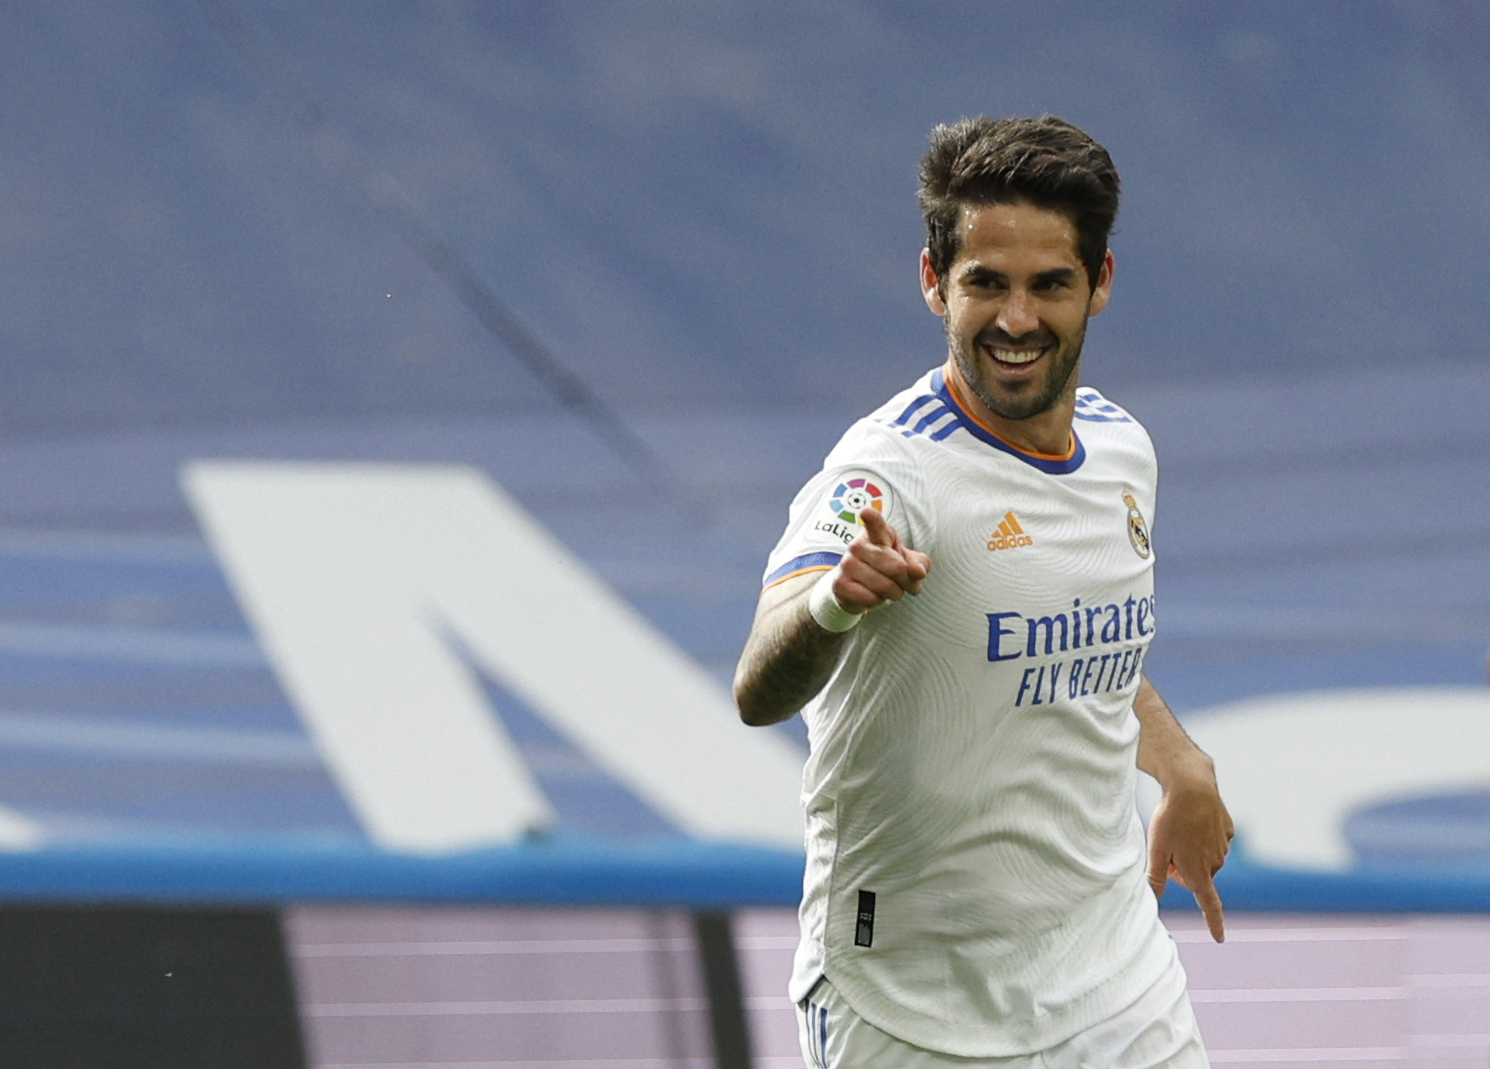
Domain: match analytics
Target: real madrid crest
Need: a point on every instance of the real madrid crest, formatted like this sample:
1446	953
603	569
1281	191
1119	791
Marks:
1138	531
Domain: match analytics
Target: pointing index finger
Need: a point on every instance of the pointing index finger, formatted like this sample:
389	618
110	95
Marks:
1210	907
877	527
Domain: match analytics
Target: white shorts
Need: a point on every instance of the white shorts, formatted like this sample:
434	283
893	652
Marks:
1156	1032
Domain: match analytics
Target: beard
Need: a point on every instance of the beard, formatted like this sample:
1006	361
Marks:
1025	399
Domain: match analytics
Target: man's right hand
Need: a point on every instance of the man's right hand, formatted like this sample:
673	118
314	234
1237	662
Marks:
788	655
876	567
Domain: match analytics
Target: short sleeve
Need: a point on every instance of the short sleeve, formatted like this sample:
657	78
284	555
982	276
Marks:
824	516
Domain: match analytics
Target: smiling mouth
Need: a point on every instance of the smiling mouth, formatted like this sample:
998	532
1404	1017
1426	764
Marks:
1013	358
1014	353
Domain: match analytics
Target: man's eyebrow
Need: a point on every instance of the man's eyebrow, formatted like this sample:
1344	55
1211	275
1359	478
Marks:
973	269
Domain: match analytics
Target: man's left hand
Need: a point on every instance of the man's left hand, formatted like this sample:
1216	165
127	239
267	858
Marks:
1189	835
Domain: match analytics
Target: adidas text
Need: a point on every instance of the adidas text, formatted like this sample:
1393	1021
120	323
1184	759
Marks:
1009	535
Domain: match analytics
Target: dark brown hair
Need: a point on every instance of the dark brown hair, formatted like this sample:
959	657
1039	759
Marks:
1046	162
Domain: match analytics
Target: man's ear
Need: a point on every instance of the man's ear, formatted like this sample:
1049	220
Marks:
1102	291
931	286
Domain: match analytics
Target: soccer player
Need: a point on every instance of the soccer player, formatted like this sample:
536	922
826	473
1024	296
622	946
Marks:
977	888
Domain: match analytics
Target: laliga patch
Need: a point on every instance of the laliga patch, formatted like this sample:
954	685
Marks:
837	518
1138	531
857	492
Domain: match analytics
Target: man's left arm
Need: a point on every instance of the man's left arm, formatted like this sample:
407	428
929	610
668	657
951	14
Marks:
1190	830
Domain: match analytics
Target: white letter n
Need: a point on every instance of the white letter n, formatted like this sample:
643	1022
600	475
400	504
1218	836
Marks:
354	576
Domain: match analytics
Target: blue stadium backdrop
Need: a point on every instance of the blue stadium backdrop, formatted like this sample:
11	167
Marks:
400	400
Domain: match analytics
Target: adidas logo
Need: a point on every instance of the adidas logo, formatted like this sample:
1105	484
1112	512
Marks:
1009	535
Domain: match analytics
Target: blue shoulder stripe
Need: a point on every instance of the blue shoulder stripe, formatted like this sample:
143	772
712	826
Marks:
913	408
931	410
1095	408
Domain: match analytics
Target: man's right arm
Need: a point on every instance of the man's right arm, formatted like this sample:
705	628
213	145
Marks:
789	655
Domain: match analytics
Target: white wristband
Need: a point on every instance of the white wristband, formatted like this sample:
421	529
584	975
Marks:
825	609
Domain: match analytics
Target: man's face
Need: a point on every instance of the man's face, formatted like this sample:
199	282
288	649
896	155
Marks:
1014	303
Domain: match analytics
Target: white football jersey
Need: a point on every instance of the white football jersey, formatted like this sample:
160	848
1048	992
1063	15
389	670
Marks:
975	862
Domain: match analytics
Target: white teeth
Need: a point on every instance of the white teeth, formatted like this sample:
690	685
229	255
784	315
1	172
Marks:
1024	356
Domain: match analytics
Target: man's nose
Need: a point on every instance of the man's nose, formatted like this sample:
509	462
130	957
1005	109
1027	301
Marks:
1017	316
